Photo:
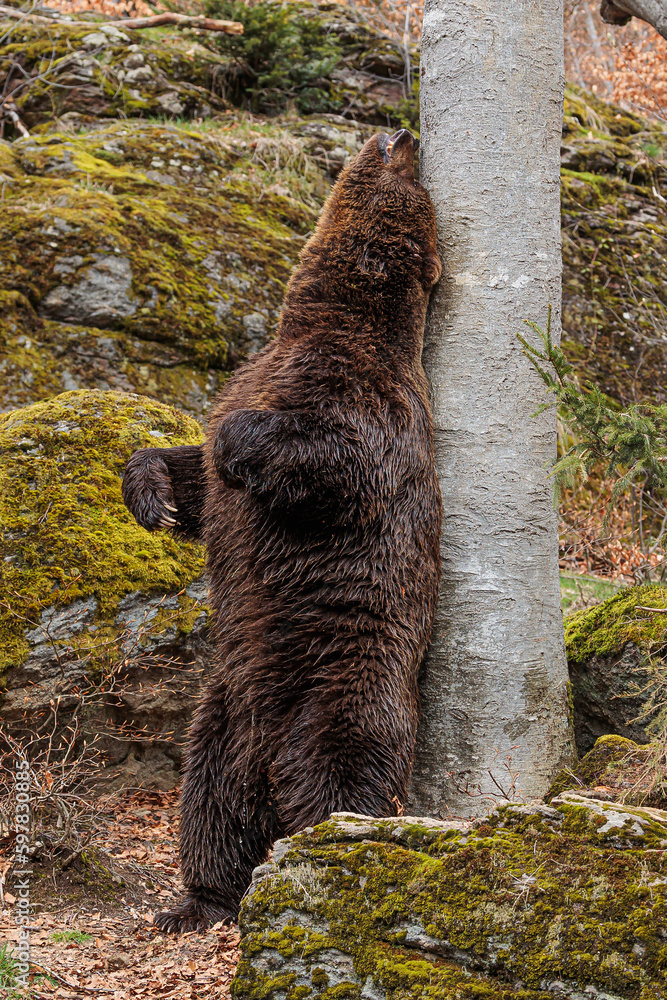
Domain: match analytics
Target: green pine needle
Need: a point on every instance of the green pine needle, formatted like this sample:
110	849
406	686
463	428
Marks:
629	444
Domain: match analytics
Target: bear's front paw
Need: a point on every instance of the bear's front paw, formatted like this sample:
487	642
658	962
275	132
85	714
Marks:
192	914
147	490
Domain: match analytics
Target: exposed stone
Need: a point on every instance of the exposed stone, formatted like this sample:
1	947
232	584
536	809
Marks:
615	652
104	625
534	901
170	102
101	297
133	229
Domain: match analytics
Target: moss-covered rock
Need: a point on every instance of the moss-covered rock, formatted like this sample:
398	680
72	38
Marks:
619	769
137	258
152	258
533	901
615	656
614	223
318	58
107	71
86	592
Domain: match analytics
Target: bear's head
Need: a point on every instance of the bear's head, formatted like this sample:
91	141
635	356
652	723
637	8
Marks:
376	236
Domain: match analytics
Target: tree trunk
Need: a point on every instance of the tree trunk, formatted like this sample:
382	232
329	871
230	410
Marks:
654	12
494	695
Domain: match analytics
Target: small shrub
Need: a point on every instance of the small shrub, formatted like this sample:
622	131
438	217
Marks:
283	57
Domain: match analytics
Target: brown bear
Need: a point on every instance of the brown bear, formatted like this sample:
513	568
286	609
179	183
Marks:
317	498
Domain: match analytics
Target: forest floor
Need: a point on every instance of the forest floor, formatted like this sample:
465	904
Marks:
93	933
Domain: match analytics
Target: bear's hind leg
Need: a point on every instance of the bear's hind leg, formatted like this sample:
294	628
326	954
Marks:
345	754
227	820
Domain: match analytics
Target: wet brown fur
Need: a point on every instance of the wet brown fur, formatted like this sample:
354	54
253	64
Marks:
321	519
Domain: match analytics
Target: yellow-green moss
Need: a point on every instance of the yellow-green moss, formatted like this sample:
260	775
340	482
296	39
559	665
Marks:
614	230
608	627
595	767
530	898
89	78
66	533
207	247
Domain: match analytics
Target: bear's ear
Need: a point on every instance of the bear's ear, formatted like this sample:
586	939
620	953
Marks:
432	269
398	153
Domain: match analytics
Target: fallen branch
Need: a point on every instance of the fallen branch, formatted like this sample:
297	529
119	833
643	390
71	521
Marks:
181	21
91	990
137	23
8	110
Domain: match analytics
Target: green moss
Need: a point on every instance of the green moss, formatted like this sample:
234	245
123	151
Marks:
621	770
290	54
583	112
66	534
528	899
319	978
206	245
171	65
95	875
614	227
595	768
608	627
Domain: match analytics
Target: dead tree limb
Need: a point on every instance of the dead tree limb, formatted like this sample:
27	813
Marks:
619	12
168	17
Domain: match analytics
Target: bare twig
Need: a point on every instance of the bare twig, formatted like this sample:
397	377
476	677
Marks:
91	990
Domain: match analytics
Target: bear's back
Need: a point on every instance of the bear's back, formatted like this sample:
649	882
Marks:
305	585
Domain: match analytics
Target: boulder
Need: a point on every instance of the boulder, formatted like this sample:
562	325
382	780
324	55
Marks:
534	901
106	71
614	653
151	258
104	626
321	58
618	770
614	225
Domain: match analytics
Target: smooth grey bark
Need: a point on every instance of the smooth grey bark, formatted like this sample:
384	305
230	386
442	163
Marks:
654	12
495	685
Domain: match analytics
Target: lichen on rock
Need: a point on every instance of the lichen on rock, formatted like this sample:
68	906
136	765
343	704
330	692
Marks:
109	71
150	258
533	901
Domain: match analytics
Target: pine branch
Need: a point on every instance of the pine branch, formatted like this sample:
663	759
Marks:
630	444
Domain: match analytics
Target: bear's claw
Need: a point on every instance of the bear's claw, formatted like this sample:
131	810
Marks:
147	490
192	915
